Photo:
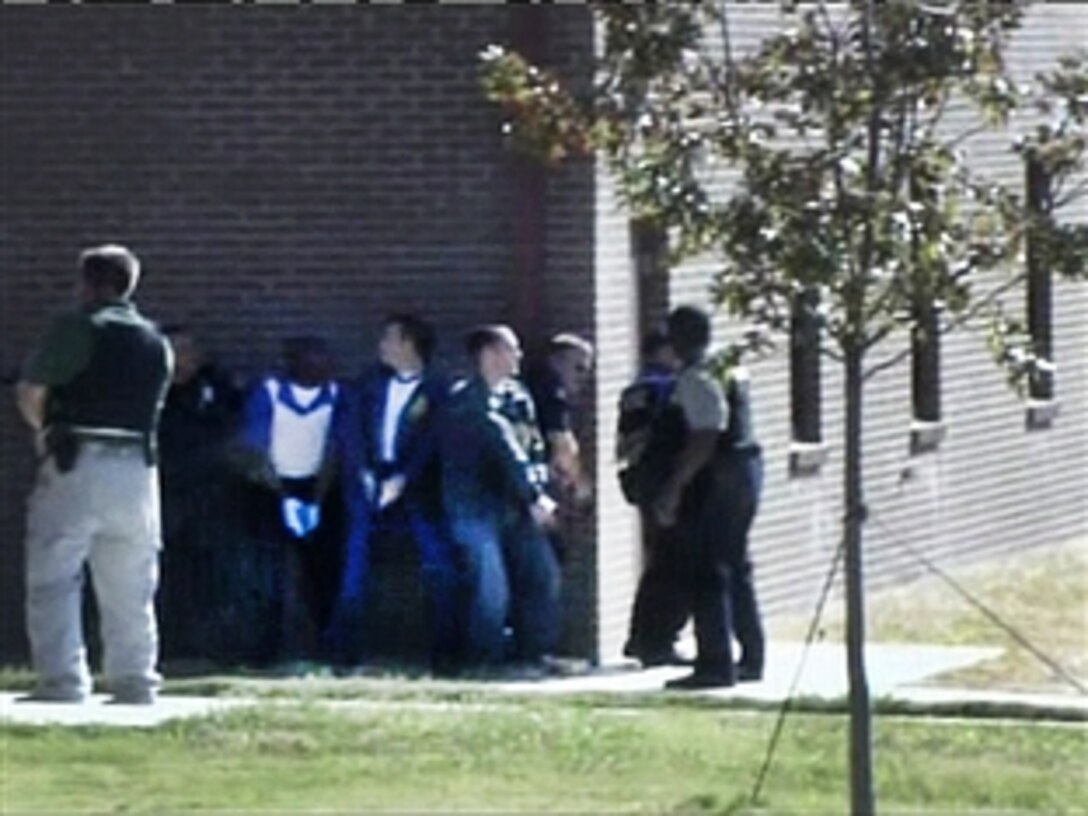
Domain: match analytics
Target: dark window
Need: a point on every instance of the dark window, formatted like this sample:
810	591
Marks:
649	248
925	349
805	368
1039	203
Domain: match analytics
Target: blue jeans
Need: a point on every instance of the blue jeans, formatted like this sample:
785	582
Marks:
511	574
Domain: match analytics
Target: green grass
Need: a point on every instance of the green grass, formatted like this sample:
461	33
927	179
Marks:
1043	593
532	757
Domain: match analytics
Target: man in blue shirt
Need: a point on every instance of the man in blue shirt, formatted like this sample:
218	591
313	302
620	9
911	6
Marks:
494	499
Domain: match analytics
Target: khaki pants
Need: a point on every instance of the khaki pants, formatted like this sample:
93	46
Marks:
105	513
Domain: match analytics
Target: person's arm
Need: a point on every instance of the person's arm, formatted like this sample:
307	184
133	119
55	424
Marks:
254	437
424	427
706	414
62	354
515	463
566	464
30	399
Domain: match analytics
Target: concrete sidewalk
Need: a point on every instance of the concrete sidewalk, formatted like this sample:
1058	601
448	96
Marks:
895	673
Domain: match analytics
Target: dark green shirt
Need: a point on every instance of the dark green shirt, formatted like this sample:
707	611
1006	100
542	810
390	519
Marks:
63	352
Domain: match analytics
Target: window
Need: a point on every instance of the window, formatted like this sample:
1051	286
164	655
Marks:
807	452
925	355
805	368
1039	282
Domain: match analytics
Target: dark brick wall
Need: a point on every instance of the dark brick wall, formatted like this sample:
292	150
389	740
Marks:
278	170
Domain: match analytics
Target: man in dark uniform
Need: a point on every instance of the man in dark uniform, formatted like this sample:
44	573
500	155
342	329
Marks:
711	497
497	510
555	384
93	393
386	440
648	437
200	552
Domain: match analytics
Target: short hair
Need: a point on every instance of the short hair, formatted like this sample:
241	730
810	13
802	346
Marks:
689	330
653	341
300	345
568	341
110	268
415	328
485	336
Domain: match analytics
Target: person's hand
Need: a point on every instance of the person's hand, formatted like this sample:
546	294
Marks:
583	491
543	510
392	489
666	507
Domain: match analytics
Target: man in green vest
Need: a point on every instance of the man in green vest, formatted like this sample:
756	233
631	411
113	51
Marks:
92	393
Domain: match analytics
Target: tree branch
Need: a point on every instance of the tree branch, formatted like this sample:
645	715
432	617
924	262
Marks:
888	362
960	320
979	305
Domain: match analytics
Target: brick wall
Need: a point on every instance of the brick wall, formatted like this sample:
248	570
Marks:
278	170
286	169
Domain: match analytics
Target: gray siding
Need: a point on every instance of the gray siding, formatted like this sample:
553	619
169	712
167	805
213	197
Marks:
992	486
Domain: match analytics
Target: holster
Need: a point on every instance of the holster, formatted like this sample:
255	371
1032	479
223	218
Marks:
63	445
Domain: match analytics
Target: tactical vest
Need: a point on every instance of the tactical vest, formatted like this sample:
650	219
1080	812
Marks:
516	404
650	432
124	383
739	434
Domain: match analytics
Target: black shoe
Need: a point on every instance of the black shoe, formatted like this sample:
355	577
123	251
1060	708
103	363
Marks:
700	680
749	674
53	695
668	657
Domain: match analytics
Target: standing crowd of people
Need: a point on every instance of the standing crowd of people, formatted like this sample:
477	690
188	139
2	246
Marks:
274	497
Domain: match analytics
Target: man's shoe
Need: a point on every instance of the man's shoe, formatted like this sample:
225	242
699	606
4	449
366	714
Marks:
49	694
134	696
668	657
700	680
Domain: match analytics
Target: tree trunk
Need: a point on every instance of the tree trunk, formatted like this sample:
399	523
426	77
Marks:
861	754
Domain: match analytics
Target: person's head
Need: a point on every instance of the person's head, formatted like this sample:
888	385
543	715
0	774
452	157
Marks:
108	272
656	351
689	332
407	342
571	357
495	351
188	356
308	360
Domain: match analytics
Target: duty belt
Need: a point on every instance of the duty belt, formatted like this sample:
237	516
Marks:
114	435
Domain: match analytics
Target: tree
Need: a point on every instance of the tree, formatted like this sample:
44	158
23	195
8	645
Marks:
854	204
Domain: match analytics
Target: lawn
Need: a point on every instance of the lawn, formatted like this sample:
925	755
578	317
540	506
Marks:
1043	593
552	756
352	746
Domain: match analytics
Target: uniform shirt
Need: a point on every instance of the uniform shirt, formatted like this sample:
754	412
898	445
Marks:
701	399
553	409
485	468
397	395
65	349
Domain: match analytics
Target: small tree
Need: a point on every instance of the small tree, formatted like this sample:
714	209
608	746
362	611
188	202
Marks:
854	201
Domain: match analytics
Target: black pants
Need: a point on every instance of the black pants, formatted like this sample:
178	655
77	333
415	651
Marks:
297	578
662	605
715	518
